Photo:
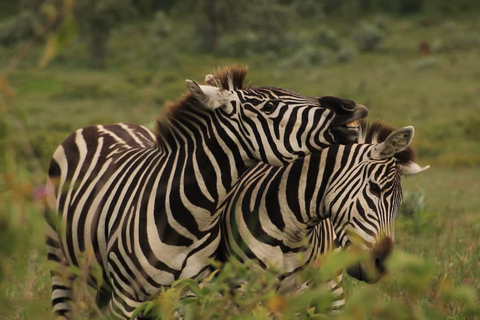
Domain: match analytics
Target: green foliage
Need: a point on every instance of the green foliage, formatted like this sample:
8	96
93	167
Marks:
224	296
368	37
327	38
18	28
345	54
311	56
413	204
239	23
438	279
161	25
458	42
96	20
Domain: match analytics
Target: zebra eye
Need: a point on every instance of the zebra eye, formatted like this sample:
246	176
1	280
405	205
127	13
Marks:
375	189
269	107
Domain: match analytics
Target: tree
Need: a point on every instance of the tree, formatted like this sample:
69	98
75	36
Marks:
96	19
216	18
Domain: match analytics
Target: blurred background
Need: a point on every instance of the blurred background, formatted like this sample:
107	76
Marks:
65	64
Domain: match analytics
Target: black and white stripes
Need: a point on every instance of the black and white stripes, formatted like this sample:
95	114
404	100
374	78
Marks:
145	204
350	192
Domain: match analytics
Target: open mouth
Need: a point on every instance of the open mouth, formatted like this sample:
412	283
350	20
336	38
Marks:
354	125
348	126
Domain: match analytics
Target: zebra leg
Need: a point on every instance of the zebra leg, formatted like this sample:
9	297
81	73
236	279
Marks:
121	307
336	287
102	299
62	279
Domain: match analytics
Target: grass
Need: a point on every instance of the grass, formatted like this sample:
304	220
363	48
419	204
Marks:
437	94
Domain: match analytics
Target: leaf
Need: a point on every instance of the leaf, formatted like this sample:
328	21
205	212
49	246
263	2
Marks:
67	31
59	39
210	276
7	90
49	52
149	306
188	300
190	284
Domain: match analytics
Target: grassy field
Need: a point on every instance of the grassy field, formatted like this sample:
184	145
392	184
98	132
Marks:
437	93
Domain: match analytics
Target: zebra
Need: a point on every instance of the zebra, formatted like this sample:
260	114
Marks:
143	204
345	194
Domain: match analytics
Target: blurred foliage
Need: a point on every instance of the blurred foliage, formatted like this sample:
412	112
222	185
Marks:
96	20
368	37
423	71
239	23
413	204
221	296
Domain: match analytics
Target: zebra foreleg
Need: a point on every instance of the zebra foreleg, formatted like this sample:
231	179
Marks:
336	287
62	278
102	299
62	294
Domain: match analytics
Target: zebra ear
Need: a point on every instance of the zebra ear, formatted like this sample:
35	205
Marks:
211	97
411	168
397	141
210	79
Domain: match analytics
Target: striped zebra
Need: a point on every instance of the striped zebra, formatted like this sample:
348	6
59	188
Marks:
349	194
141	205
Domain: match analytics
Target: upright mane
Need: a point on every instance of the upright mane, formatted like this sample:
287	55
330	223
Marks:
227	78
377	132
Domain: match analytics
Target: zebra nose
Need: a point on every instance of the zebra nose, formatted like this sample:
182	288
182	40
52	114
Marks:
381	252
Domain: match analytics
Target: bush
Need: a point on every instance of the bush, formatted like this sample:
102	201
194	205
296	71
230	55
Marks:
345	54
326	38
458	42
368	38
18	28
426	63
221	296
161	24
310	56
413	204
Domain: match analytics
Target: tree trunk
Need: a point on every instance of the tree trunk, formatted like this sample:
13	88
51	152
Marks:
97	47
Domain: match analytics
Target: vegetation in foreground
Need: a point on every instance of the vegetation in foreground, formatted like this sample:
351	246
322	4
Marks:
436	269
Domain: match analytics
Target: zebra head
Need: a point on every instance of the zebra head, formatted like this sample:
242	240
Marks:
364	196
277	125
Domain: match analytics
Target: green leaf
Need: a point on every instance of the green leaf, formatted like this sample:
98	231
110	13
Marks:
190	284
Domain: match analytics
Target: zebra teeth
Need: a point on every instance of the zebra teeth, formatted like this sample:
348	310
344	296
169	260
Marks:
353	125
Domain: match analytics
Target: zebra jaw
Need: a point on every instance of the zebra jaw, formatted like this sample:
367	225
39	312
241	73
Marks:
348	131
354	125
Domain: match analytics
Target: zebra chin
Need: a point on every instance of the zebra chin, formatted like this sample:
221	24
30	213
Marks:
359	272
374	268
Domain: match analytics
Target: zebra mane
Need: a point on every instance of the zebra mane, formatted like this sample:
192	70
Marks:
227	78
377	132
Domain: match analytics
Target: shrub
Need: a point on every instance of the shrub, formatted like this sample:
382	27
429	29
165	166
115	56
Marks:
413	204
345	54
326	38
18	28
310	56
161	24
222	296
426	63
368	38
458	42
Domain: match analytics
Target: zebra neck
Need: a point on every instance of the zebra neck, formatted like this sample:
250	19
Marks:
304	186
206	146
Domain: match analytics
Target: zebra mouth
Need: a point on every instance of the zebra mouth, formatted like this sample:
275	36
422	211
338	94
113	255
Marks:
354	125
347	130
360	273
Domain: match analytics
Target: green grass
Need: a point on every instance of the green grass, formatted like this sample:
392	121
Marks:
437	94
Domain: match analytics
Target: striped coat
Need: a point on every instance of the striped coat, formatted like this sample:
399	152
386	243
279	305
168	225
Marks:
289	215
143	205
